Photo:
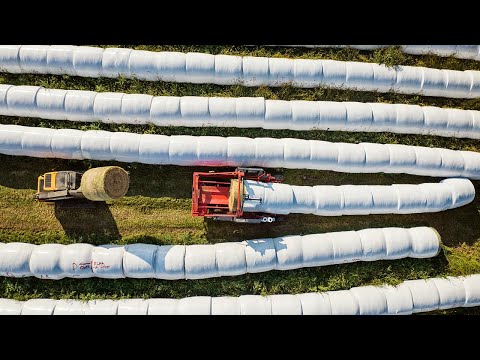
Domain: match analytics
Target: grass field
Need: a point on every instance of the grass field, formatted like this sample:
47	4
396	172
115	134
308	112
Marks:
157	207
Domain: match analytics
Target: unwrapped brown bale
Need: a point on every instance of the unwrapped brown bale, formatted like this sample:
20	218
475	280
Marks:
105	183
233	195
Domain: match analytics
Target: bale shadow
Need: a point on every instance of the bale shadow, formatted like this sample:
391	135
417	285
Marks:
93	224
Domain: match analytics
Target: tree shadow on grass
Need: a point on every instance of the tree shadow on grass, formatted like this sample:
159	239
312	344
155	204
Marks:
94	224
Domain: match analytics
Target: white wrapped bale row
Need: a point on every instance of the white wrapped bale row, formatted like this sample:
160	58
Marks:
412	296
230	70
329	200
171	262
237	151
471	52
76	105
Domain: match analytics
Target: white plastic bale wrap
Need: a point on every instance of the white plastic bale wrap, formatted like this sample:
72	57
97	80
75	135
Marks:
67	143
397	243
347	247
132	307
9	59
412	296
76	261
124	147
425	295
260	255
255	305
451	292
424	242
193	109
11	140
165	111
182	150
107	261
343	302
315	304
172	262
38	307
317	249
51	104
198	305
199	67
163	307
21	100
45	262
139	261
225	306
135	109
37	142
399	299
234	151
212	150
169	66
3	99
101	307
79	105
228	69
14	259
328	200
139	66
248	71
70	307
115	62
87	61
472	290
10	307
107	106
371	300
200	262
230	259
95	145
373	244
289	252
60	60
153	149
286	305
34	58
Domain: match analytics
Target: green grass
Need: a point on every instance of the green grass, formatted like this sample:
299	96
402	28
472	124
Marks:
157	207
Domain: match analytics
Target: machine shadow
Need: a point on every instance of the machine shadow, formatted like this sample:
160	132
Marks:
94	224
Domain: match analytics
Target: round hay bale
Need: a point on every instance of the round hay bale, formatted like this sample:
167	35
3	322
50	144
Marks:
233	195
105	183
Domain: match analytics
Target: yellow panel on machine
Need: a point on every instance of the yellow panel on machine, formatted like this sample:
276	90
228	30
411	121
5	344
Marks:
98	184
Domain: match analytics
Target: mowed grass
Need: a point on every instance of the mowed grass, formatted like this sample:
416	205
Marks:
157	208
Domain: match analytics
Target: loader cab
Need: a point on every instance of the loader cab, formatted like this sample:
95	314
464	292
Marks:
59	185
59	180
46	182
